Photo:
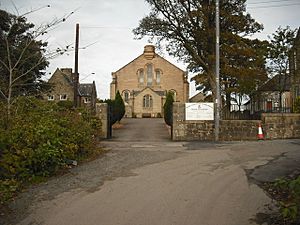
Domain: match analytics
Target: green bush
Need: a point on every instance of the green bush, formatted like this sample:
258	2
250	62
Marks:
290	201
41	138
119	107
168	111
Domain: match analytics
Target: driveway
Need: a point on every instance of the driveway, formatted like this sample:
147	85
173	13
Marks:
147	179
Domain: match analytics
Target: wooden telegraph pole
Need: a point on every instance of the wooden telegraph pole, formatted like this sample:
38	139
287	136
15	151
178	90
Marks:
76	74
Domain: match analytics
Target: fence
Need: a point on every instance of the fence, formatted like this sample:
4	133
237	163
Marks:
253	110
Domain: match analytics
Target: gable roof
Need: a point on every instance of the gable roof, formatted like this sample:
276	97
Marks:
160	93
67	76
143	55
277	83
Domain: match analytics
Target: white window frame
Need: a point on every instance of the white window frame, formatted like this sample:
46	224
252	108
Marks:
87	100
63	97
51	97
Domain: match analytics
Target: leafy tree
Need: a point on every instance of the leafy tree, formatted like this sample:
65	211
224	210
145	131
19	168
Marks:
188	28
23	57
168	108
119	107
281	43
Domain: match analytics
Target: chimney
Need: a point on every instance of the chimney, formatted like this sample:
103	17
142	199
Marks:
149	52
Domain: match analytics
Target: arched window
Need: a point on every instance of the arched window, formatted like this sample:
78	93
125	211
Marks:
126	95
149	74
158	76
141	76
147	101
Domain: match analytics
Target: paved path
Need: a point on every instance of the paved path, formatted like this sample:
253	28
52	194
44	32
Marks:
147	179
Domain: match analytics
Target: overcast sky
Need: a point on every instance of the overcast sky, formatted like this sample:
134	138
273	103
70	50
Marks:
106	31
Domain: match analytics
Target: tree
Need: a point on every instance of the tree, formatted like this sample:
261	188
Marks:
281	43
168	111
188	28
23	57
119	107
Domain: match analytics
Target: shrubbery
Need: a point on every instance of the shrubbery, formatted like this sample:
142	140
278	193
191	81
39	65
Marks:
39	139
289	198
117	108
168	108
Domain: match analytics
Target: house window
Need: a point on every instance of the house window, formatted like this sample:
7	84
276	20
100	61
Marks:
63	97
149	74
158	75
141	76
147	101
51	97
87	100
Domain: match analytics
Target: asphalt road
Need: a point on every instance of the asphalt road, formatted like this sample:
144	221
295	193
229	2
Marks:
147	179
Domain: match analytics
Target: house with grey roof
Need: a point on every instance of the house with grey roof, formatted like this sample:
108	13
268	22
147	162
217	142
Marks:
62	82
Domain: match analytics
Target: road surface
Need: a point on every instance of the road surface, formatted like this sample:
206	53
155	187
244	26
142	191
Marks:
145	179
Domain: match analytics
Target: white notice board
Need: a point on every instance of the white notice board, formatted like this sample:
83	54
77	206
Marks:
199	111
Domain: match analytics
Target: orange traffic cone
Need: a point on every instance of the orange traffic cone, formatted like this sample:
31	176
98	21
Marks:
260	135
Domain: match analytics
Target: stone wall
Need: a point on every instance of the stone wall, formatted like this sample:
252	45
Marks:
101	113
281	125
275	126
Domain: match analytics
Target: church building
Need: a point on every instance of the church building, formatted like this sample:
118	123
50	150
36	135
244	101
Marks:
144	83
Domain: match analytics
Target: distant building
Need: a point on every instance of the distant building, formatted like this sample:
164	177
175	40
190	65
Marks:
63	89
273	96
144	82
295	67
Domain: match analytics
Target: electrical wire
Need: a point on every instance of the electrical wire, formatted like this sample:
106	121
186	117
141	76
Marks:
272	6
272	1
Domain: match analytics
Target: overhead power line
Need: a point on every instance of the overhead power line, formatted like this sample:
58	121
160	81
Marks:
272	6
272	1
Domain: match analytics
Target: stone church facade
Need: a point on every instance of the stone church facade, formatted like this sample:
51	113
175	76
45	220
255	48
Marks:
144	82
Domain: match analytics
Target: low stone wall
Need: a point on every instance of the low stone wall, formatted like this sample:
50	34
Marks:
281	125
275	126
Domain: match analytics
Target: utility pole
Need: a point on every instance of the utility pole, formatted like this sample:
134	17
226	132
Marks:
76	74
217	99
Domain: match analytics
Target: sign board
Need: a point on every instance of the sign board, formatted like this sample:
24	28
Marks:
199	111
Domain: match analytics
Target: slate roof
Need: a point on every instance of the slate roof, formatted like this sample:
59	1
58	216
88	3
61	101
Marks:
86	89
276	84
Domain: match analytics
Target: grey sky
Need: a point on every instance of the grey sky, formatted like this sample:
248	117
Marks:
109	23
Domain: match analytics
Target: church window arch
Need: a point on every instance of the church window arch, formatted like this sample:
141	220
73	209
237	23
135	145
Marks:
147	101
141	76
126	96
158	74
149	74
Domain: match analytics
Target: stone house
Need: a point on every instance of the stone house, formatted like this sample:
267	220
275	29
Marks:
273	96
294	67
144	82
62	82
